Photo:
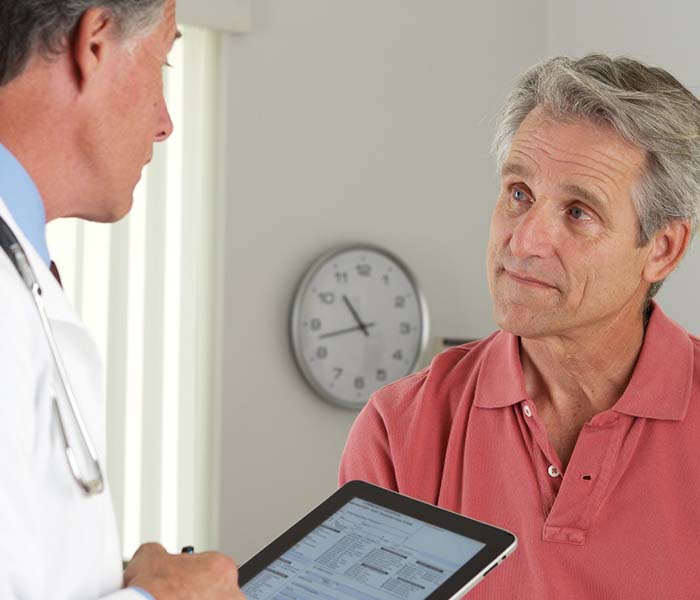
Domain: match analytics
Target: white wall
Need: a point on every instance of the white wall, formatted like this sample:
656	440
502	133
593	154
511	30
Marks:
661	33
356	120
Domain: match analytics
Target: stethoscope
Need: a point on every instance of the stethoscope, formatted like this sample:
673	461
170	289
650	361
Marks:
17	256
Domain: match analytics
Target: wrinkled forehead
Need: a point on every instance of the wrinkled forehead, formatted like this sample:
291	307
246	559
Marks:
161	36
576	146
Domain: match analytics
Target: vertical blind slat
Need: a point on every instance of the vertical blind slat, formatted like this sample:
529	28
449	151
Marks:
135	366
151	476
172	304
115	368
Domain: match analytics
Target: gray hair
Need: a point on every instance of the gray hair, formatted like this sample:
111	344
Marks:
646	105
27	26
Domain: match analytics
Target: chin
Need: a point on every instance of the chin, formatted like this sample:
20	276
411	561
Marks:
115	210
123	210
524	321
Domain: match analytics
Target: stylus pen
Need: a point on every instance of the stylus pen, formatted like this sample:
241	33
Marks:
187	550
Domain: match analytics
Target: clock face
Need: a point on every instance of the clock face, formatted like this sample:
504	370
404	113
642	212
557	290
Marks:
358	323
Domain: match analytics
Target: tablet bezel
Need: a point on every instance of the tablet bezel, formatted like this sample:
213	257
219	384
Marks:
498	542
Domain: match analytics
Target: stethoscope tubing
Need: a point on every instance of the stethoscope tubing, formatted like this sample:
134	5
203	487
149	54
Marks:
10	244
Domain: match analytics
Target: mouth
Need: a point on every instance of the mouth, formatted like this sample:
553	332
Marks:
527	280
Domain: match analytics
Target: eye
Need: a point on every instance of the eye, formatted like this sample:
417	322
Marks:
579	214
518	195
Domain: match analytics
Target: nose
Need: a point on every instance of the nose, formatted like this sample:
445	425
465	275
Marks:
165	123
533	233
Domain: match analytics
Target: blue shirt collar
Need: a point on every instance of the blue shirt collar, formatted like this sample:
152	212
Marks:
22	198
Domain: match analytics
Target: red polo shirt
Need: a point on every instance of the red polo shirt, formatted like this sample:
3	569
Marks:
622	522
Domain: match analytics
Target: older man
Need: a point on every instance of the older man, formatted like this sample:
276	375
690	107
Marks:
81	103
577	425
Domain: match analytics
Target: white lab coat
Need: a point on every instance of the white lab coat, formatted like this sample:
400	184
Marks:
55	542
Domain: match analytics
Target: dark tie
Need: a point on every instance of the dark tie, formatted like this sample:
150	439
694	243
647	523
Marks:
56	274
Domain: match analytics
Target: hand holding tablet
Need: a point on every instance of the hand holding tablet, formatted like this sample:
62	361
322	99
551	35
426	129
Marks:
367	543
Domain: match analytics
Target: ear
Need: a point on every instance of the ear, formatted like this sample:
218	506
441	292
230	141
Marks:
93	36
667	247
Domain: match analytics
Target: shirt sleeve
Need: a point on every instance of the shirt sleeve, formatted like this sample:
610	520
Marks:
143	592
367	455
130	593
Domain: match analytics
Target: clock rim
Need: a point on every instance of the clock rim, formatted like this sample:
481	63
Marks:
294	329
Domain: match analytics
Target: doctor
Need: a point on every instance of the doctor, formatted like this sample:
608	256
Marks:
81	104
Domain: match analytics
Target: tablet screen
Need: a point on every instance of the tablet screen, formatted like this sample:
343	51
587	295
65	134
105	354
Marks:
365	552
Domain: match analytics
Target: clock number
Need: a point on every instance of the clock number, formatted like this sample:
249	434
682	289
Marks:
381	374
338	372
359	383
400	302
364	270
315	324
398	355
405	328
327	297
386	279
341	277
321	352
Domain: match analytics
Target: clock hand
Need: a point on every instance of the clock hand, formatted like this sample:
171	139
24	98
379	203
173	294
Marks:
363	327
360	324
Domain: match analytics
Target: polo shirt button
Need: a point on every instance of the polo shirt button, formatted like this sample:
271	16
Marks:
527	411
553	471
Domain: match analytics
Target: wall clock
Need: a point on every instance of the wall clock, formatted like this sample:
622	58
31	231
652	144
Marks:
358	322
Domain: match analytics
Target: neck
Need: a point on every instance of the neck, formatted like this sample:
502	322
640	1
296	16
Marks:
585	372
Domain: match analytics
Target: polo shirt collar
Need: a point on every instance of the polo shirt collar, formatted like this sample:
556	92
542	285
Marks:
661	382
659	388
501	382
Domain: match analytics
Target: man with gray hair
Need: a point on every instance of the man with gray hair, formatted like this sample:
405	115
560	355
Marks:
577	425
81	104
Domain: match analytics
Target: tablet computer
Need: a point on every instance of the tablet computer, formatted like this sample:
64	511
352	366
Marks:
367	543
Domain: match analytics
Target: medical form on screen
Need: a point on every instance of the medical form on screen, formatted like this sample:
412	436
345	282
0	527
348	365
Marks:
365	552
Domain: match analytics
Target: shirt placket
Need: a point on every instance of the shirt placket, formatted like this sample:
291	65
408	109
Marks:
545	462
572	499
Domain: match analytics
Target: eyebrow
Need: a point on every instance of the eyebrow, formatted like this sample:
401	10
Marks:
585	195
520	170
511	168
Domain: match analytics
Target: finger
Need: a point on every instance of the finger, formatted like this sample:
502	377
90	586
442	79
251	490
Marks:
150	549
145	556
